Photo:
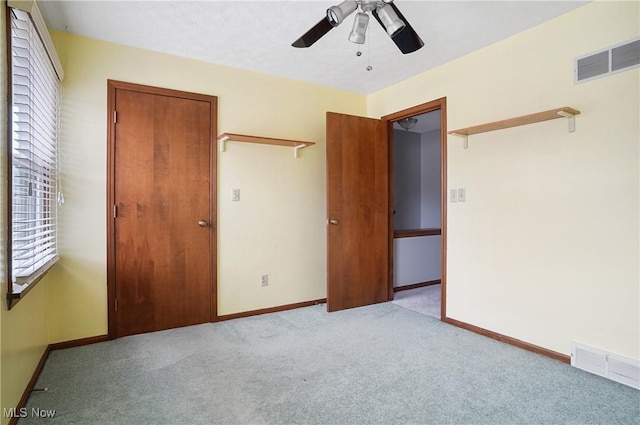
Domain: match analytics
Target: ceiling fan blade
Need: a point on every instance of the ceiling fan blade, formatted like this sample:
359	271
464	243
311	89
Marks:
407	39
314	34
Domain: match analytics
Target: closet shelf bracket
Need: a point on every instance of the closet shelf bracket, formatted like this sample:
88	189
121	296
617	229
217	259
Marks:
223	142
296	149
571	119
295	144
565	112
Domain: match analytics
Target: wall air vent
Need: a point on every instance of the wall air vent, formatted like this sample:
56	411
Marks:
608	365
614	59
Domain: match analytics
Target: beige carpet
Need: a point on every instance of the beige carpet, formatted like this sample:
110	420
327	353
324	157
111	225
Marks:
425	300
375	365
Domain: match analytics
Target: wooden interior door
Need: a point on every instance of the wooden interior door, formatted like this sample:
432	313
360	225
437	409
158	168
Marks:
163	225
357	212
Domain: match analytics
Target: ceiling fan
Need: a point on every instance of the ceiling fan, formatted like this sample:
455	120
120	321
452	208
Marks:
385	12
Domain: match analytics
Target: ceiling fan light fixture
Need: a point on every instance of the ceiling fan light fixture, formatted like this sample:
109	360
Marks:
385	12
390	20
408	123
336	14
359	30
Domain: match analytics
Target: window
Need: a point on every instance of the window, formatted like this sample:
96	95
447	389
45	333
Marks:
34	88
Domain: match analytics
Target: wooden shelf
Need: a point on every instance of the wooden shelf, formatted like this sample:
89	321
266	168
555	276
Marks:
295	144
564	112
412	233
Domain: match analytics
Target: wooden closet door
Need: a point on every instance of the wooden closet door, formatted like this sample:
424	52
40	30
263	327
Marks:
163	224
357	212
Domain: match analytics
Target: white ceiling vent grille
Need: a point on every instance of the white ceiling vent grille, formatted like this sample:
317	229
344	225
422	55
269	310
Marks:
620	57
608	365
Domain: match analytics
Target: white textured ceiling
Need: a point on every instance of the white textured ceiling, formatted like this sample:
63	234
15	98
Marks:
257	35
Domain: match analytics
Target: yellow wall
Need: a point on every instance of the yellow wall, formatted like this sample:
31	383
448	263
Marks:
278	227
23	330
545	249
24	339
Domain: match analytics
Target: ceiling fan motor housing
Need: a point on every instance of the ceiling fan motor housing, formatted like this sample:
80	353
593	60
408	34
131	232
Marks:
369	5
337	14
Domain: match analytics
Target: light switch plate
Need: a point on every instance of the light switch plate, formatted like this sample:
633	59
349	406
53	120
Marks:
235	194
453	195
462	194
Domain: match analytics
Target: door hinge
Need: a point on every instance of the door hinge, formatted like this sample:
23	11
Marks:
115	211
116	304
115	117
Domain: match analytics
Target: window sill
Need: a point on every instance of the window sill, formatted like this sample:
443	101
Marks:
18	291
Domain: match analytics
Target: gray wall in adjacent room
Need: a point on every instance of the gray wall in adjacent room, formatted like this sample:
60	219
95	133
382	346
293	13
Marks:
417	201
430	180
406	179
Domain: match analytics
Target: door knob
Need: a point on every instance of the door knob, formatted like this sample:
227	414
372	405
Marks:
202	223
333	221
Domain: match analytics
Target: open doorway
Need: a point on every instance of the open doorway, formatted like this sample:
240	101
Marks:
418	173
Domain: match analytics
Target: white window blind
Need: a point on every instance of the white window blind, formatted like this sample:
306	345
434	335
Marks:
34	145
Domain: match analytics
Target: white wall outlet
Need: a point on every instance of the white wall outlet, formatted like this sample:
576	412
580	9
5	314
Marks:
235	194
462	194
453	195
264	280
